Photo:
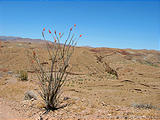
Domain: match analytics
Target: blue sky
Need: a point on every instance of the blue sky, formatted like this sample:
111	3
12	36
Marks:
115	24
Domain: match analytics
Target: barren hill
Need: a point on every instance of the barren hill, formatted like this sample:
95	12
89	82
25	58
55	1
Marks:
113	81
14	56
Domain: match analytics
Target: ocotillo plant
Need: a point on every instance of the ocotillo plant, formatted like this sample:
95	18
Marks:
52	80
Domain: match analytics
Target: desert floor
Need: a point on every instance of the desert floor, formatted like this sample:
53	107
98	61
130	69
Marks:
89	92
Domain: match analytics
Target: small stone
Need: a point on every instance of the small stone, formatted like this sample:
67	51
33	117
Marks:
30	95
103	104
117	117
118	109
66	98
17	75
32	99
9	72
125	117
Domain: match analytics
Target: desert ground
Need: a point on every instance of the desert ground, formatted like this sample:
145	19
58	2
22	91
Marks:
91	91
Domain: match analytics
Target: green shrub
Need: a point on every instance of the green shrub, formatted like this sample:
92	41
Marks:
23	75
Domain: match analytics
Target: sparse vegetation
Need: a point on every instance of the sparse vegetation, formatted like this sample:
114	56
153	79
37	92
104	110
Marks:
23	75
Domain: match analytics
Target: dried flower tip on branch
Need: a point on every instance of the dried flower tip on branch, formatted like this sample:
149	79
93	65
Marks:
74	25
49	31
43	29
32	61
55	31
80	35
59	34
71	29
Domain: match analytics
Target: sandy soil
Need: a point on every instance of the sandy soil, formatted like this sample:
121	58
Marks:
6	112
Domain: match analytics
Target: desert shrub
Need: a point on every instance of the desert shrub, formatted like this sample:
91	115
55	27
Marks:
23	75
106	66
52	79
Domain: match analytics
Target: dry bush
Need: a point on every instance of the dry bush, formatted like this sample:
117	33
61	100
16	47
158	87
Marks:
106	66
23	75
52	78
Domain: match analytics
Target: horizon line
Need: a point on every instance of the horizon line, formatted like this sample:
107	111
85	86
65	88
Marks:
80	45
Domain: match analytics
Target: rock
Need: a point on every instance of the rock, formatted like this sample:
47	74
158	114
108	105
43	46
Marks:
66	98
104	104
10	72
30	95
117	117
125	117
17	75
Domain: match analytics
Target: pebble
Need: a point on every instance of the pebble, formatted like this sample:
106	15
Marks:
29	95
10	72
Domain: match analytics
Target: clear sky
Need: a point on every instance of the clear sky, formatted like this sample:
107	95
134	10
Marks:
116	24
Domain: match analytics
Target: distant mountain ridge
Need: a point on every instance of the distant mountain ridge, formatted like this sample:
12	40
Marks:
4	38
19	39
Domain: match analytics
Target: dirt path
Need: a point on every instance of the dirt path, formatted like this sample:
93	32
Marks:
6	113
